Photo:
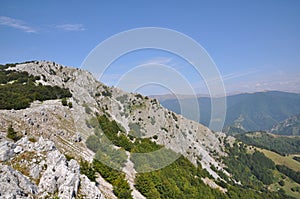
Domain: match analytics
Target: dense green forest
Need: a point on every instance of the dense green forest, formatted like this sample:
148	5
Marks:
295	175
19	89
282	144
181	179
252	169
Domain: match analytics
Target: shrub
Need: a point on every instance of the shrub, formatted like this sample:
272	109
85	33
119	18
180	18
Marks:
174	117
12	134
139	96
295	189
297	158
70	105
92	143
281	183
106	93
22	90
64	102
68	157
87	109
87	169
32	139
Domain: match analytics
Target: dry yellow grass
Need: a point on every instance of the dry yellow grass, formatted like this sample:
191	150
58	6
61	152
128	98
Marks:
288	184
282	160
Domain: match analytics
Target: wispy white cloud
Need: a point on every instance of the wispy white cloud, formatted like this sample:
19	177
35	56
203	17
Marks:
16	23
71	27
227	77
23	26
169	61
239	74
158	60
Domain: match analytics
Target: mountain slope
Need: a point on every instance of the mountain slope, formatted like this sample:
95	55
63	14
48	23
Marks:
129	144
284	145
290	126
249	111
69	126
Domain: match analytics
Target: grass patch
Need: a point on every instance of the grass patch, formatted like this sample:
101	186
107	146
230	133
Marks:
282	160
288	185
283	145
32	139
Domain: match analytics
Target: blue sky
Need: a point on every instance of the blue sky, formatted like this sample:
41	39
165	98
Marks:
255	44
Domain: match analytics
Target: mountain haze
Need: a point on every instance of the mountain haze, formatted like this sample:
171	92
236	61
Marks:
248	111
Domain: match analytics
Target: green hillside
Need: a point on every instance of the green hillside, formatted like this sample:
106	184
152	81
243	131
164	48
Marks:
181	179
280	144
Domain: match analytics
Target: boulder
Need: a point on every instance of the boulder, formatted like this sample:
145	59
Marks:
18	149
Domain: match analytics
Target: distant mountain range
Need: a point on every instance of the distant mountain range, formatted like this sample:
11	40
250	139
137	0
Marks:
247	111
290	126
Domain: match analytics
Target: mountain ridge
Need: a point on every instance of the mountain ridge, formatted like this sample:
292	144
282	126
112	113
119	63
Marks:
203	165
290	126
63	124
248	111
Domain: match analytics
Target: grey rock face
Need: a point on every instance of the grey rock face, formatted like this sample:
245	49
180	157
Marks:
60	176
56	175
35	171
41	145
15	185
88	189
6	150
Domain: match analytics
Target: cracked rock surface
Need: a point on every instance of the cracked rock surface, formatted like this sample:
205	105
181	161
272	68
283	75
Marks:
39	170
